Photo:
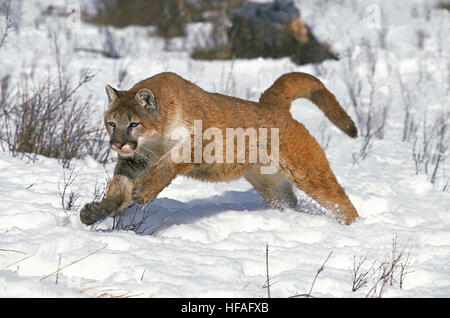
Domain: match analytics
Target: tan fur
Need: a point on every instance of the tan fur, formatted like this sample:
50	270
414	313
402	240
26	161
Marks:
166	102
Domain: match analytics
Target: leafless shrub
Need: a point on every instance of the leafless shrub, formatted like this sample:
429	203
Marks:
68	198
446	186
136	220
371	117
214	44
122	75
382	28
228	81
391	271
376	113
5	20
429	139
210	46
48	119
112	47
409	126
430	151
353	83
111	44
369	129
360	277
421	37
131	221
99	192
367	138
5	107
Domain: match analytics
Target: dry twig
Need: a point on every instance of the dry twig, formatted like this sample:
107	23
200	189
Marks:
13	251
321	268
267	284
60	269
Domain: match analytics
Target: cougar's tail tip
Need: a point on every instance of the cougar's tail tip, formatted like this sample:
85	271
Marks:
295	85
352	131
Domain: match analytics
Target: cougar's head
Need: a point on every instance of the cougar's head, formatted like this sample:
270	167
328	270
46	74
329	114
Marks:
132	117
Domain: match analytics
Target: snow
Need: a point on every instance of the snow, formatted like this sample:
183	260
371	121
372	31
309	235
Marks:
209	240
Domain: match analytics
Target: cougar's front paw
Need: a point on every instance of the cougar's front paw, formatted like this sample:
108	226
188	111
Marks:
93	212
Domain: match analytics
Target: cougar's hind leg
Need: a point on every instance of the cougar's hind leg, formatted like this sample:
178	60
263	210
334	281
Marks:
276	191
303	162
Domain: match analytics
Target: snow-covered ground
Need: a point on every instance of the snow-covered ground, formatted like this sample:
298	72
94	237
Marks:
209	240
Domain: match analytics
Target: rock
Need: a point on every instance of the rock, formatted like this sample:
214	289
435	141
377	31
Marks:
272	29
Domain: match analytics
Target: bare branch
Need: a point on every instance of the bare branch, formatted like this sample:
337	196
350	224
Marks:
319	270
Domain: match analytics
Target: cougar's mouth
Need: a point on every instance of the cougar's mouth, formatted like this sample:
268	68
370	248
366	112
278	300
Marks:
125	151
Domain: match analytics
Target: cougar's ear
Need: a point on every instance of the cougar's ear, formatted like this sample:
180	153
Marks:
113	94
145	99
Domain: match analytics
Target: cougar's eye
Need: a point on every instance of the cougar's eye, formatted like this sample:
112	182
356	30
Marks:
112	124
134	124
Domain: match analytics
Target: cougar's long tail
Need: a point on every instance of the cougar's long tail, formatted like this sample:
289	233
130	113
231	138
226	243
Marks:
300	85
